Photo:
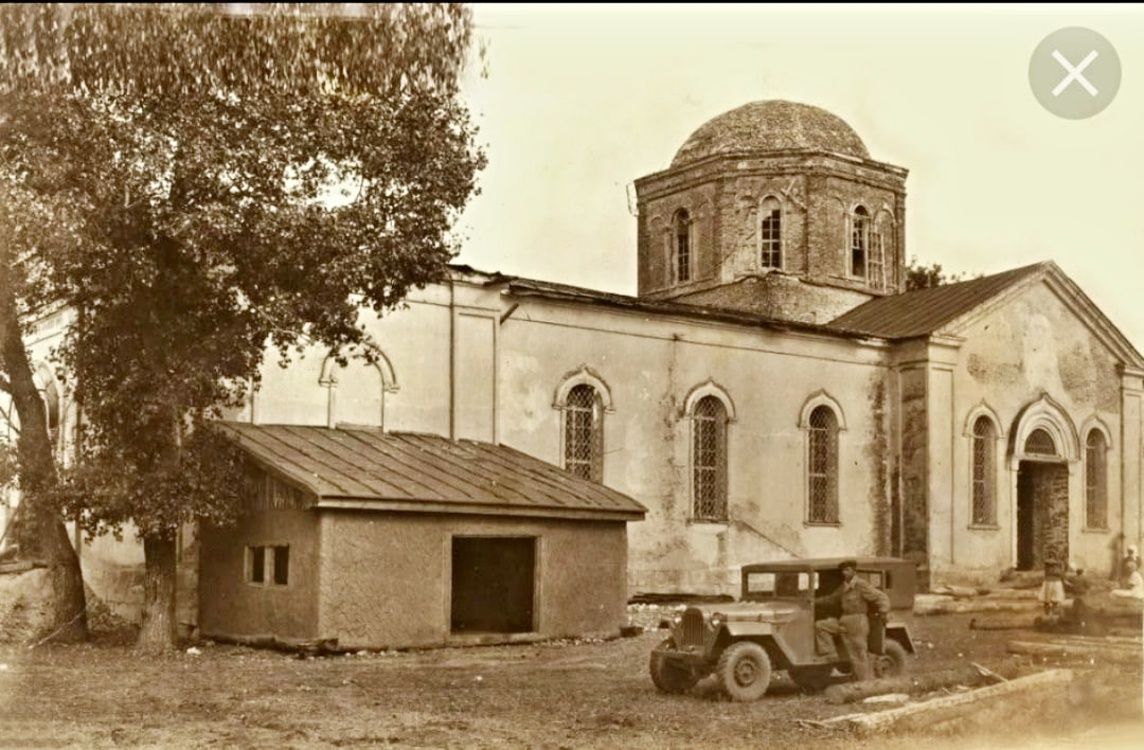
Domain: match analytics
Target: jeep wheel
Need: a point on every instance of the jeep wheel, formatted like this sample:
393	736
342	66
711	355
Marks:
744	671
811	679
668	677
892	663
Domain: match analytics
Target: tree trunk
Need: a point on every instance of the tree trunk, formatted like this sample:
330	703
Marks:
158	632
41	533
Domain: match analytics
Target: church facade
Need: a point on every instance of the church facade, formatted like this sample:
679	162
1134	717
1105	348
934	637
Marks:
772	390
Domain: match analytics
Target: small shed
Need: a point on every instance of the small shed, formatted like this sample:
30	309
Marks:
382	539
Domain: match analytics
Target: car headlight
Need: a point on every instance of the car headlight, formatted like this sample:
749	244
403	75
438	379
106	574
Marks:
677	619
716	620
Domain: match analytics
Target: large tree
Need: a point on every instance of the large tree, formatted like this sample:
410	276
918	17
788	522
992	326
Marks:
229	182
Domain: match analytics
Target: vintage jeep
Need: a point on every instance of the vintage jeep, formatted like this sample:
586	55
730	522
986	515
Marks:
772	627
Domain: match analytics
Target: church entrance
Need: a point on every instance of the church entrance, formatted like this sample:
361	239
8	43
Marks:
1042	514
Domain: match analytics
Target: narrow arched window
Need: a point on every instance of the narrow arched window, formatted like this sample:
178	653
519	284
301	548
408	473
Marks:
859	241
984	447
682	229
822	466
770	232
584	433
709	459
1095	481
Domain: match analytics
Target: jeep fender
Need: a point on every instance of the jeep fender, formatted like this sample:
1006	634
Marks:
761	632
897	631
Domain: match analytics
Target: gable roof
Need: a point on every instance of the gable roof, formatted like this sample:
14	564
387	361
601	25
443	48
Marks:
366	468
925	311
948	308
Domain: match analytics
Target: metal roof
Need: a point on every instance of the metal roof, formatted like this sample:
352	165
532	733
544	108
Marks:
924	311
366	468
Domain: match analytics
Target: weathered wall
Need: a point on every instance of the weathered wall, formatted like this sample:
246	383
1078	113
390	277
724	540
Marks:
1029	349
780	296
386	577
651	367
228	605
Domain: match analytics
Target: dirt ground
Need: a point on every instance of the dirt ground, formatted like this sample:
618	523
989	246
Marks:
553	695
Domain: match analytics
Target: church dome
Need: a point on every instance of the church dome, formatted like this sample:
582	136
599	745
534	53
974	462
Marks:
771	126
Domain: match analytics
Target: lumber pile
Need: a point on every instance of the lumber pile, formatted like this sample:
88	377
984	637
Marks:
942	604
1110	650
1002	623
968	675
927	714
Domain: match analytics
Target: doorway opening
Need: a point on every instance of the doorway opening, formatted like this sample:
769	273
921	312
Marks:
1042	514
494	580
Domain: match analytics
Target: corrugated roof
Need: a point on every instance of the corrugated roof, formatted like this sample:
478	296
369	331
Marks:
364	467
924	311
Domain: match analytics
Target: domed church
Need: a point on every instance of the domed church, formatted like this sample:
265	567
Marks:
771	391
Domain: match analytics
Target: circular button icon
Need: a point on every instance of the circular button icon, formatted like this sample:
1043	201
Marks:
1074	73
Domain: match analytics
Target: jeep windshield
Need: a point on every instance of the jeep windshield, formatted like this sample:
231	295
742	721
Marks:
764	585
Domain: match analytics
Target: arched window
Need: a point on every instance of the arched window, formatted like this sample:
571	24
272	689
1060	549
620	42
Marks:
984	474
822	466
770	232
1095	481
709	459
584	433
1040	443
681	227
859	241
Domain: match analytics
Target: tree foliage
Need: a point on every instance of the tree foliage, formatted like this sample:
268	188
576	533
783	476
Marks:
226	182
920	276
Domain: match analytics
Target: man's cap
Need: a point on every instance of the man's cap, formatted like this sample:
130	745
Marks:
853	564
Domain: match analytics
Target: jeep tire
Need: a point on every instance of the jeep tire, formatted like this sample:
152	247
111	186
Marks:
744	671
892	663
668	677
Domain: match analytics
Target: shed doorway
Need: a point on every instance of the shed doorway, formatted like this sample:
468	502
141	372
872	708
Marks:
494	579
1042	514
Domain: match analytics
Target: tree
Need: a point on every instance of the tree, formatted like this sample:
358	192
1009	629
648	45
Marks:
925	277
231	182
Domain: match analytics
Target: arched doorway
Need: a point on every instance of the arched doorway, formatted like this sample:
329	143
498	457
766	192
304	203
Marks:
1044	444
1042	503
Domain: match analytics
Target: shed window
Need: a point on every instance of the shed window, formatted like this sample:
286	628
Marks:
584	433
1095	481
984	508
823	466
709	459
770	230
256	564
281	565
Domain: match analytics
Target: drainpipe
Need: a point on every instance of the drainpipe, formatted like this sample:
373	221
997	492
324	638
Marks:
452	361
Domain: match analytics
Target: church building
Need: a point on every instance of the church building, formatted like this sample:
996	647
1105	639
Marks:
770	391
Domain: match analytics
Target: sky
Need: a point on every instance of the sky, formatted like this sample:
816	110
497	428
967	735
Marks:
577	102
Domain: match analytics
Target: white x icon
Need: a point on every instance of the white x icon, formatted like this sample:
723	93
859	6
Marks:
1074	74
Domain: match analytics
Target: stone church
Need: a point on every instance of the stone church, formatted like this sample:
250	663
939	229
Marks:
772	390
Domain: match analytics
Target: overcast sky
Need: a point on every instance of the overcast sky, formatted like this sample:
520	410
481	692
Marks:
579	102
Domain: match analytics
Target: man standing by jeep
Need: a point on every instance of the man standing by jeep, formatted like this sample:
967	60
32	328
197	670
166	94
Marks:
856	597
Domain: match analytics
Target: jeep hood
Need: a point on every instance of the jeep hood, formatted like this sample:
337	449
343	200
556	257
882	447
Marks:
776	611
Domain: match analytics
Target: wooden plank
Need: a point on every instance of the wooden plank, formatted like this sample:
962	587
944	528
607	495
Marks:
850	692
949	707
1056	650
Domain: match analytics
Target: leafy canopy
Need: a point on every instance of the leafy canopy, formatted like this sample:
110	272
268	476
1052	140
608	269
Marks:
225	182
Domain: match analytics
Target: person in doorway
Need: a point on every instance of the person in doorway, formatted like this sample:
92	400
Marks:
856	598
1133	585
